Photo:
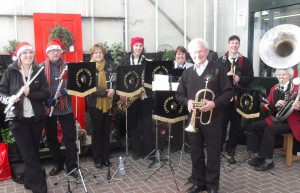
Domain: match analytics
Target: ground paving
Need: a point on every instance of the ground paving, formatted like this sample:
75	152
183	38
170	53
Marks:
242	179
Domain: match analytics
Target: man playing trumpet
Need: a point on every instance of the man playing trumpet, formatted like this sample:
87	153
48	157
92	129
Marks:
240	74
192	80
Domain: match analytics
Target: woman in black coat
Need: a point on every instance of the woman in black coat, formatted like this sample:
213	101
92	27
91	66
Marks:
26	118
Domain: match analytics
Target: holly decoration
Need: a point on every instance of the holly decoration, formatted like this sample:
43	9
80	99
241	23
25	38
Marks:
62	34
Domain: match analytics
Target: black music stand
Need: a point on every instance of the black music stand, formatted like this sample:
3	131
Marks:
248	106
129	84
156	67
81	82
167	109
175	77
152	68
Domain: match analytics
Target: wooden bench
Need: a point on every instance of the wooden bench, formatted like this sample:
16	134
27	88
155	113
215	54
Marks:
287	149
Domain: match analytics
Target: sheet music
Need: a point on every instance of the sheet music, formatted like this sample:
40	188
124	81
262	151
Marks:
161	82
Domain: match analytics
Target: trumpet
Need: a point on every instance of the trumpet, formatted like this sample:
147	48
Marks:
199	104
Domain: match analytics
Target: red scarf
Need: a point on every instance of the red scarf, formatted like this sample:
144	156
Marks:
62	101
240	59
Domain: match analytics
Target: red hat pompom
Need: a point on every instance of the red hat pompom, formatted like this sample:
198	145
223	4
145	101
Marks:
13	56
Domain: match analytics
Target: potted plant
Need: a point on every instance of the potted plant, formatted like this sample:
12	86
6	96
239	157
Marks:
14	154
64	35
114	54
10	50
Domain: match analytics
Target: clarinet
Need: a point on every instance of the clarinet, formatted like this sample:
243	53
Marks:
58	88
110	87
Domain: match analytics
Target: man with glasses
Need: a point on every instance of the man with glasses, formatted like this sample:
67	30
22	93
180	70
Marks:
62	112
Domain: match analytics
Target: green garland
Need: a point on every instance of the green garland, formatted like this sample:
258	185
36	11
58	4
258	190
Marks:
62	34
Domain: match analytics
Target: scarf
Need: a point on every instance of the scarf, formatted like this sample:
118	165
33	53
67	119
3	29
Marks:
240	59
102	103
63	100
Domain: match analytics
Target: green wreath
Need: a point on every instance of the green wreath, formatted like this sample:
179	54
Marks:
62	34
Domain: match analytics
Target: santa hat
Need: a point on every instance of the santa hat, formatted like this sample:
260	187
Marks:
53	45
135	40
21	47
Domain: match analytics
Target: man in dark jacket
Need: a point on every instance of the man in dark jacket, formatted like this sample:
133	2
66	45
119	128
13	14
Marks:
204	75
240	73
62	112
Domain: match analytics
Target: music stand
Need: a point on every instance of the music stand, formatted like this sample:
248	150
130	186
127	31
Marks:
248	106
171	112
81	82
175	77
183	144
129	84
153	68
156	67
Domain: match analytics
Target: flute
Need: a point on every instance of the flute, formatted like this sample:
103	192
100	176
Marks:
19	94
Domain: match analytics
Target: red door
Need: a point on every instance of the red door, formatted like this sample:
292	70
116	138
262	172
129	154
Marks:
43	22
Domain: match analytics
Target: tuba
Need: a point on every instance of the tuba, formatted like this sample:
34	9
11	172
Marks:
279	48
200	103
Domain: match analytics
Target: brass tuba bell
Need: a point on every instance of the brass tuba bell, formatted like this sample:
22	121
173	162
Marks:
279	47
200	103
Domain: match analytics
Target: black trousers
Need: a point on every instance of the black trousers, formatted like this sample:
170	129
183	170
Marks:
68	127
261	137
206	174
27	133
141	126
100	135
230	114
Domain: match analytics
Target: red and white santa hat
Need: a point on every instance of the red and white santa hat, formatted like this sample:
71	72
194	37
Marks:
21	47
54	44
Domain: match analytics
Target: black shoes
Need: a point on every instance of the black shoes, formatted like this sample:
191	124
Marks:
230	151
27	187
195	189
256	161
231	160
107	164
99	165
190	179
55	171
265	166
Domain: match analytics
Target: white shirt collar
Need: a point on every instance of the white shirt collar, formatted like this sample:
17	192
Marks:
201	69
176	64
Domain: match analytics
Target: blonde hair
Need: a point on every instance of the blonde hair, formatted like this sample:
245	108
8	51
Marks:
96	46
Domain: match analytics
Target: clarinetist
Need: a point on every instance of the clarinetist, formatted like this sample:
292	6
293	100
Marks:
62	112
